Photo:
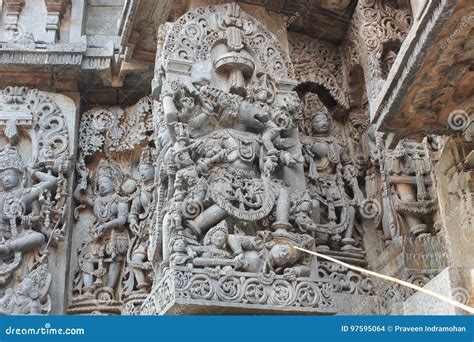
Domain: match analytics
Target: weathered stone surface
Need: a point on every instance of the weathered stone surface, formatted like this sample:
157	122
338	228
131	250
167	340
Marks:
166	157
452	282
36	165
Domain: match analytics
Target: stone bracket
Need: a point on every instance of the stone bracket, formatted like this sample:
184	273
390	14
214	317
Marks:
13	9
56	9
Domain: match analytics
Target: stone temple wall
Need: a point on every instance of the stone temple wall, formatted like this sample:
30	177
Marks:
167	157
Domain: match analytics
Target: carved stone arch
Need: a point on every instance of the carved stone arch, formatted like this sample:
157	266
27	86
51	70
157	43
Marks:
319	63
192	37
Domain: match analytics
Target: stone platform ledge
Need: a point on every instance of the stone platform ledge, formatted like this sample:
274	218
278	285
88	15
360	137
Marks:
184	291
421	53
409	253
453	282
197	307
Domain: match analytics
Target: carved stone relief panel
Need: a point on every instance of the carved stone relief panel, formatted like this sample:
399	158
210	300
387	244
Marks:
318	62
231	200
409	170
333	196
37	139
377	31
114	212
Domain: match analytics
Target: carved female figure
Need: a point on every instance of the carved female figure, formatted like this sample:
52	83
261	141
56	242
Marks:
180	252
140	219
17	220
215	243
330	172
108	240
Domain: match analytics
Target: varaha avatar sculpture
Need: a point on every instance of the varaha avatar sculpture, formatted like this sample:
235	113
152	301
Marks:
192	200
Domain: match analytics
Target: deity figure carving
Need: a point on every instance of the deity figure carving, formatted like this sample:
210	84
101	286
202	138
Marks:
229	163
28	299
333	188
215	250
229	251
101	256
241	158
140	221
409	175
17	201
23	232
180	252
34	163
283	258
115	210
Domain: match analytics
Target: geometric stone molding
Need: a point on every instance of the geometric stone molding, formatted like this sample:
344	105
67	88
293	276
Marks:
13	9
56	9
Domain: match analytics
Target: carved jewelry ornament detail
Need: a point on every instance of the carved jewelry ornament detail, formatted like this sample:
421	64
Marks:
33	199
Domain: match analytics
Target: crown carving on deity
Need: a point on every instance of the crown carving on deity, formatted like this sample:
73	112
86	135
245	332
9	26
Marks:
110	169
263	84
175	236
220	227
147	156
11	159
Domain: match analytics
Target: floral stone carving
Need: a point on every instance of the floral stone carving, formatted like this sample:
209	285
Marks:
34	166
229	212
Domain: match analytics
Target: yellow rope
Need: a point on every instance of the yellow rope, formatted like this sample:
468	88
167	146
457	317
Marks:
395	280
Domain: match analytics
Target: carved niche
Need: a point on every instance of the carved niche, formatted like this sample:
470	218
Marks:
409	170
378	29
34	167
329	206
318	62
230	173
115	207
